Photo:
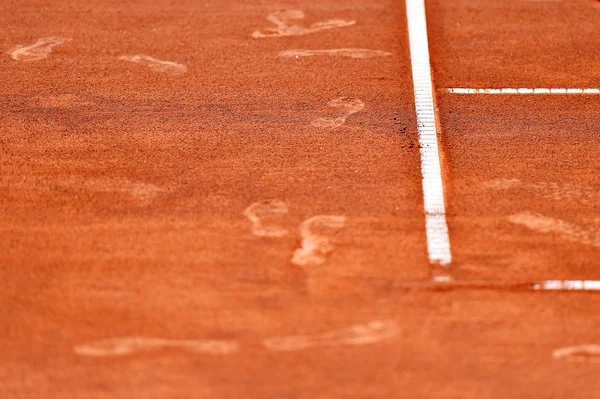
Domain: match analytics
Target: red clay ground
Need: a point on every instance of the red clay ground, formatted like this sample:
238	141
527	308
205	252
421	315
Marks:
124	191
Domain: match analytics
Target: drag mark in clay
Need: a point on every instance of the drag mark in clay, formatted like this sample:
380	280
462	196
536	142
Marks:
584	194
131	345
567	231
358	334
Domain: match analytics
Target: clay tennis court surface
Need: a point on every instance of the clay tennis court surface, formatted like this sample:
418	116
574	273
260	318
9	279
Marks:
223	199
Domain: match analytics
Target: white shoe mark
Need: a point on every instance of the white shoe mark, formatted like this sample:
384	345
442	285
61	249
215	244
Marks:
580	353
347	105
263	212
281	19
358	334
549	190
166	67
39	50
131	345
315	247
340	52
567	231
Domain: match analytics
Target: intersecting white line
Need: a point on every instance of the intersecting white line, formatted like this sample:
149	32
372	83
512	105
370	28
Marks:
436	226
523	90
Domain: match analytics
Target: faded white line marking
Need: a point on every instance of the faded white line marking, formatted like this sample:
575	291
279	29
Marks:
523	91
359	334
567	231
568	285
340	52
166	67
282	19
347	105
130	345
39	50
438	241
264	214
315	246
444	283
578	353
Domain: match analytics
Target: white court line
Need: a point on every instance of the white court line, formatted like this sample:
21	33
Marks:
438	241
522	90
568	285
447	283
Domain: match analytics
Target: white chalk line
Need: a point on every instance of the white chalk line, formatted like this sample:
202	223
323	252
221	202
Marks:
523	90
447	283
568	285
438	240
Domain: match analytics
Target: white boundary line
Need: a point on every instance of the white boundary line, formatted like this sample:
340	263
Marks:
445	283
436	226
568	285
522	91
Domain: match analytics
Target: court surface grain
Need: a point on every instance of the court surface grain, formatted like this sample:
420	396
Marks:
224	200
